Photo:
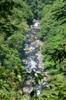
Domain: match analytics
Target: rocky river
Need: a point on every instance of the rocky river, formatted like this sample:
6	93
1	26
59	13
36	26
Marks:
36	77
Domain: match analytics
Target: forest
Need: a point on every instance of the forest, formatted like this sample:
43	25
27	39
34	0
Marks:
16	16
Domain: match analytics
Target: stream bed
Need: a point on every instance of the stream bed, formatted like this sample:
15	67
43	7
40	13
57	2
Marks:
35	76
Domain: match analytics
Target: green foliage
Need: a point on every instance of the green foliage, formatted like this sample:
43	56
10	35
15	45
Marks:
15	41
52	33
13	25
14	16
36	7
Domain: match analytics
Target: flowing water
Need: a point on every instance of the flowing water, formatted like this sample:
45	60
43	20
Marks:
34	71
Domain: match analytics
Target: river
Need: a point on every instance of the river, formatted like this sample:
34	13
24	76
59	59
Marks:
35	76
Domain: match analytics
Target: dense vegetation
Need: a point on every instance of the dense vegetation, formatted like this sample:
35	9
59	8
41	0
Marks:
53	33
13	25
14	16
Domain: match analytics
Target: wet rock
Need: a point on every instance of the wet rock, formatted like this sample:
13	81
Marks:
27	89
